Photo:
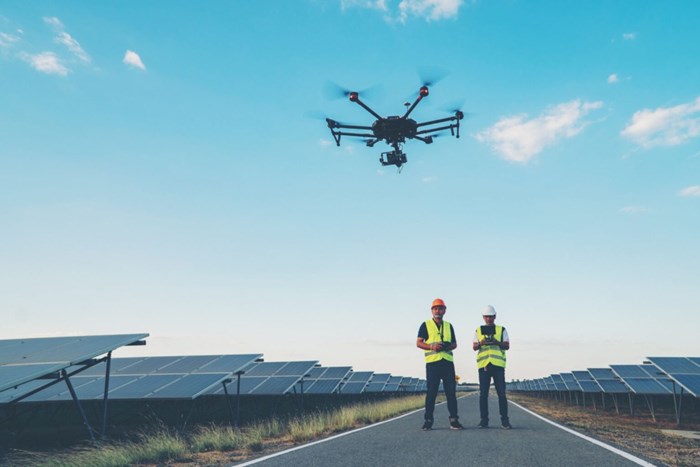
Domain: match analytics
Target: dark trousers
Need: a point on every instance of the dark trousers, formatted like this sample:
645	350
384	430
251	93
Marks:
434	372
499	381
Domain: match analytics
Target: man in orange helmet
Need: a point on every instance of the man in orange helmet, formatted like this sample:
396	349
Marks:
437	339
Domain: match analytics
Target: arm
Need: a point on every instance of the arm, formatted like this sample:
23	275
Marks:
435	347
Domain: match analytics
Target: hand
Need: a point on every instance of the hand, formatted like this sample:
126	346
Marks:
436	346
482	342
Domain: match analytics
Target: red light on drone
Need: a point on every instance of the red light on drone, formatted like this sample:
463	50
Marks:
424	91
353	96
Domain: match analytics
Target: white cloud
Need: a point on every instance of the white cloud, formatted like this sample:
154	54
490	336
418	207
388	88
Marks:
324	142
612	79
46	62
431	10
62	37
664	126
633	209
7	40
629	36
73	45
428	179
54	22
369	4
519	139
693	190
132	59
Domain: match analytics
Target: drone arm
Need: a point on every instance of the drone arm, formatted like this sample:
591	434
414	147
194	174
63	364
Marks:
423	92
359	135
365	106
441	120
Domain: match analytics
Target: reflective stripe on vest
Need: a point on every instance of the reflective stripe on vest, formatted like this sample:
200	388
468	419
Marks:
434	336
492	354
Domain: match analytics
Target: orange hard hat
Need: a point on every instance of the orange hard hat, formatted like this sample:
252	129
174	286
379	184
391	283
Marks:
438	302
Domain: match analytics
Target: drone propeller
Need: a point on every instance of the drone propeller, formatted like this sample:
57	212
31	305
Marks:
316	115
335	91
431	76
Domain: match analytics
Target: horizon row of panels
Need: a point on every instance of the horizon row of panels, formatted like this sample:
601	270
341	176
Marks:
188	377
662	376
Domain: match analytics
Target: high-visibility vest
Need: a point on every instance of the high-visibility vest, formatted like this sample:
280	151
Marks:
435	334
492	354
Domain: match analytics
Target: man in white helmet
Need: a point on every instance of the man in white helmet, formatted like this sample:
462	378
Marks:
491	341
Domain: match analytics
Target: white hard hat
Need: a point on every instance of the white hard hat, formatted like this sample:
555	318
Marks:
489	311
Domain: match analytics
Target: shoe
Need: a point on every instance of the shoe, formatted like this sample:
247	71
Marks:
427	425
455	425
483	424
506	426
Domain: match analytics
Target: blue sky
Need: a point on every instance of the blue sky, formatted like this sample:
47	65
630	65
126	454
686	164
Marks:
160	173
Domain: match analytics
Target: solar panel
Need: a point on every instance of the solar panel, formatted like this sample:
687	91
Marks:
337	372
317	372
375	386
613	386
629	371
601	373
296	368
8	395
690	383
189	364
248	384
144	366
264	368
276	386
353	388
645	386
679	365
323	386
380	377
582	375
589	386
189	386
361	376
229	363
46	355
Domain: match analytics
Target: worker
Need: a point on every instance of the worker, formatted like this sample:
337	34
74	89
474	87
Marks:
436	337
491	341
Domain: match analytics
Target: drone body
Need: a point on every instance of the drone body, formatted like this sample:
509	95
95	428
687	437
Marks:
395	130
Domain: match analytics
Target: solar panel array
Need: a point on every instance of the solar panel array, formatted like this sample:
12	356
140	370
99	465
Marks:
24	360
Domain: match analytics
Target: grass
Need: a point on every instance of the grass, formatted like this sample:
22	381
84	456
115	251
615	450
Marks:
214	444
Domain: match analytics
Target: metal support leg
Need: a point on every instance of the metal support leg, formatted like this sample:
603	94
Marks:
630	397
617	409
238	399
650	404
105	399
228	402
77	404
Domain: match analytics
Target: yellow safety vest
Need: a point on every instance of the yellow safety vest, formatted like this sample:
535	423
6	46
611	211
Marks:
492	354
435	334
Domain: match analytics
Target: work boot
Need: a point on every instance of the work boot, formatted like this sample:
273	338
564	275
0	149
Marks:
427	425
505	424
483	424
455	425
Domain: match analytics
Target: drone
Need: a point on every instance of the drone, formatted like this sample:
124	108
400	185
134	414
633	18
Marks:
395	129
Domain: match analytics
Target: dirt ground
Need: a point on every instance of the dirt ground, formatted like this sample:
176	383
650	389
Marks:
638	435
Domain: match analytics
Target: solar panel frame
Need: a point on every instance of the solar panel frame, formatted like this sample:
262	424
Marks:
582	375
601	373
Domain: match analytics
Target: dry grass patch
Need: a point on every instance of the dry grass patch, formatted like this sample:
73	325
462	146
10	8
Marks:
637	435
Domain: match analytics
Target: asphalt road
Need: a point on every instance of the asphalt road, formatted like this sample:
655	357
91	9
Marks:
401	442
